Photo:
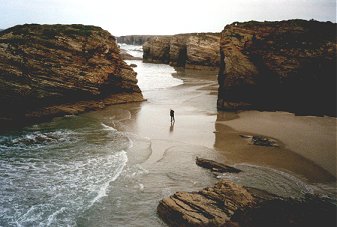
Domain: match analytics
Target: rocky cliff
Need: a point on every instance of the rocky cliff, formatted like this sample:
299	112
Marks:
50	70
197	50
157	50
134	39
286	65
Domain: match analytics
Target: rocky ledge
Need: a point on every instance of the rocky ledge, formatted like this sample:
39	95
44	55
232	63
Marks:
193	51
286	65
229	204
52	70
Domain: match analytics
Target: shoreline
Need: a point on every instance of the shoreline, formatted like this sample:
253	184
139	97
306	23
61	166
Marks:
48	113
199	123
161	156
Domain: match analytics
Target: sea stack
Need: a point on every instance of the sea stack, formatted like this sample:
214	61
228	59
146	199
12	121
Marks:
52	70
286	65
191	50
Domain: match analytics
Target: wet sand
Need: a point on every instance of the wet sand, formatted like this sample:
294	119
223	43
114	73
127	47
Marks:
313	138
306	143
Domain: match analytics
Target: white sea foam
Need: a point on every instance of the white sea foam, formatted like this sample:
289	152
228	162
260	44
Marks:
36	140
130	142
141	187
107	127
60	177
134	50
53	215
102	191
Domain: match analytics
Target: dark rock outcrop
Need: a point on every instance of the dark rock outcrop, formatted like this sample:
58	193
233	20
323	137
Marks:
228	204
215	166
310	211
52	70
261	141
286	65
193	51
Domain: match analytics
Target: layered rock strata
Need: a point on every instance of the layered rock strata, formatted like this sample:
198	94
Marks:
51	70
212	206
231	205
193	51
157	50
286	65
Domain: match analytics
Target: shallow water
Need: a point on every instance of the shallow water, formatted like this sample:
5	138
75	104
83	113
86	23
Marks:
80	170
112	167
155	76
89	170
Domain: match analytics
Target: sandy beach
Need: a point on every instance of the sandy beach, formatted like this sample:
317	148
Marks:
125	158
313	138
307	144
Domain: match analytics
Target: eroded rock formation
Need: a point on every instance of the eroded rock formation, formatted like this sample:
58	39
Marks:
286	65
196	51
51	70
231	205
212	206
157	50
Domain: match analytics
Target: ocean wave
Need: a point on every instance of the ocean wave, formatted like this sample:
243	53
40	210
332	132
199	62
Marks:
107	127
56	190
36	139
102	191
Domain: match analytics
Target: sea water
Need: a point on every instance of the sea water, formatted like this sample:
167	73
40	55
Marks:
134	50
92	170
74	169
49	173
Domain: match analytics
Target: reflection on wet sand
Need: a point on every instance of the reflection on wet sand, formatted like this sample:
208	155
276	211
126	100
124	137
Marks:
172	127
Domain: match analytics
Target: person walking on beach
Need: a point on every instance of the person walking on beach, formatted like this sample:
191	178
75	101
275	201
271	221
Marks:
172	115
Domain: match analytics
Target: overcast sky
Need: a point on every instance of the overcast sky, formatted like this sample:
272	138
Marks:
158	16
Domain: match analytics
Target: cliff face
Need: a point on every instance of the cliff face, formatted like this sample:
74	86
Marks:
197	50
45	70
134	39
157	50
287	65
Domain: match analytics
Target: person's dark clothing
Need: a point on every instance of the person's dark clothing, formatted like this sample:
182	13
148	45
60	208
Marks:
172	115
